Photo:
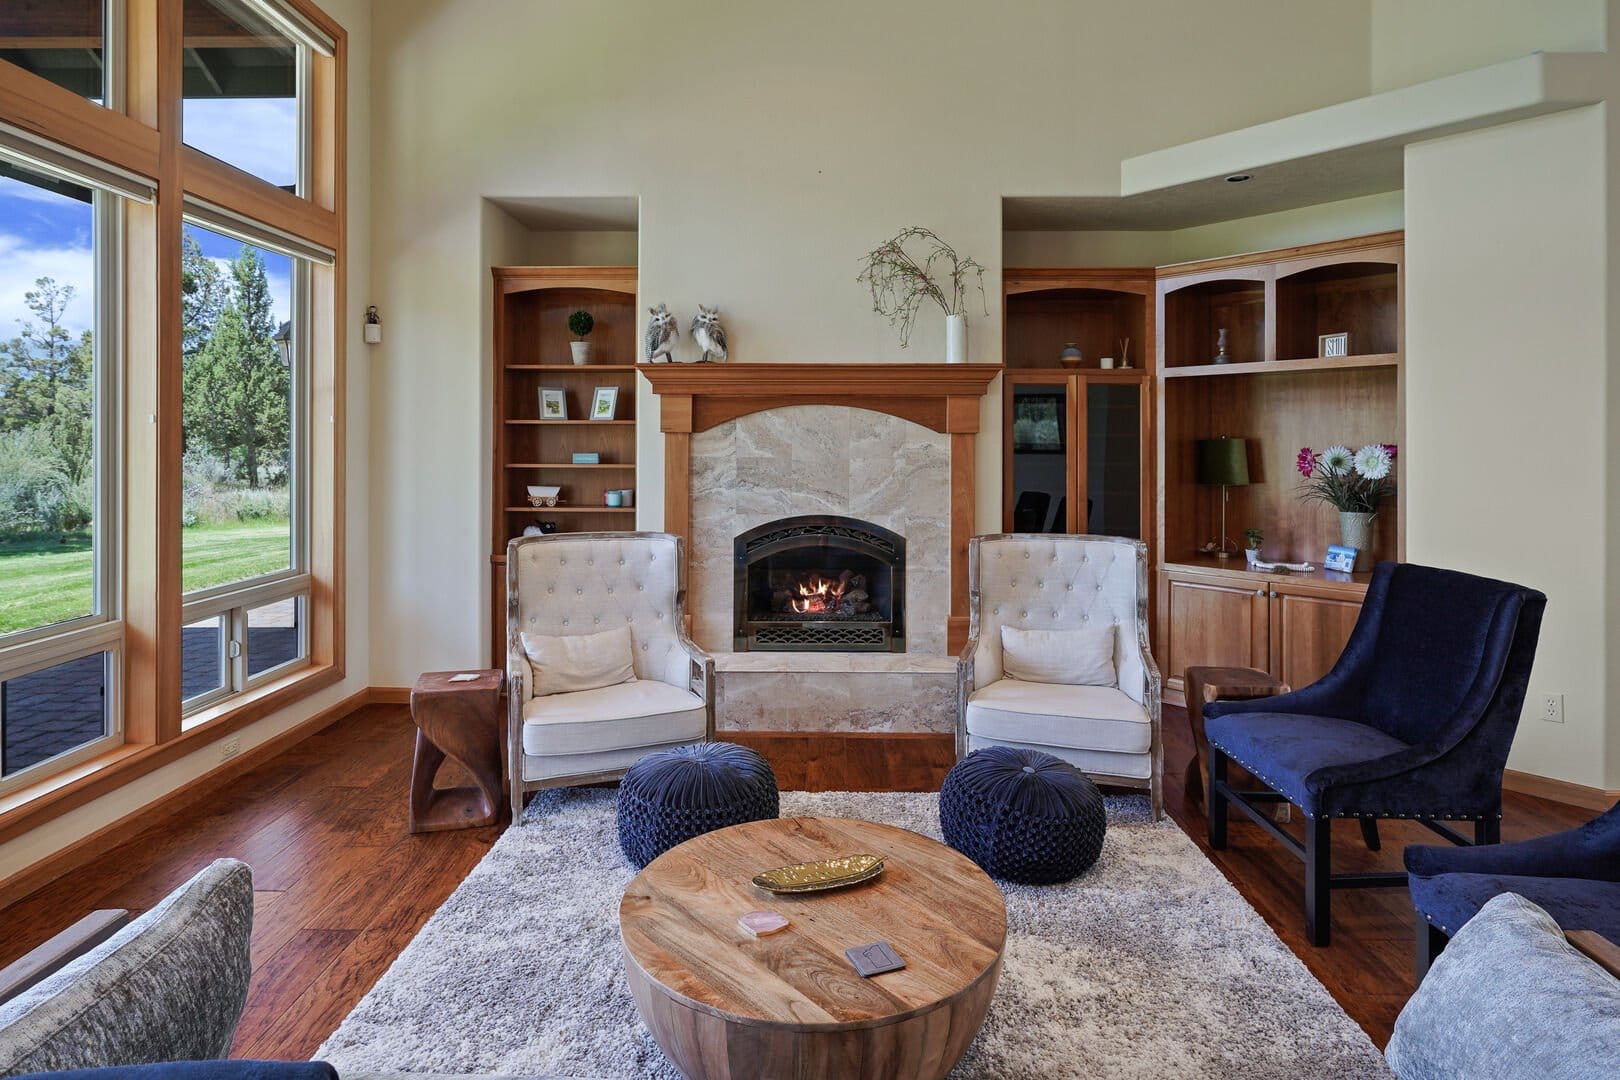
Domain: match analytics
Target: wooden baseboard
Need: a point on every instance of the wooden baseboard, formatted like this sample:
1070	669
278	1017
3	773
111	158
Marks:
109	836
390	695
1545	787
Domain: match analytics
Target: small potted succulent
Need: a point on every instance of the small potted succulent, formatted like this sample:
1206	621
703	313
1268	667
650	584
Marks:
581	324
1252	539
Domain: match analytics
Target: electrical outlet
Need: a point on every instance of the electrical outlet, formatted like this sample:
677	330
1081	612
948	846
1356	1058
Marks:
229	747
1552	708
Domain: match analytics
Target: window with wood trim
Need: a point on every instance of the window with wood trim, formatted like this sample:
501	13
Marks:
170	381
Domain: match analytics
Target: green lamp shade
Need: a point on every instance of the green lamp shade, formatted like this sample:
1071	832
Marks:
1223	461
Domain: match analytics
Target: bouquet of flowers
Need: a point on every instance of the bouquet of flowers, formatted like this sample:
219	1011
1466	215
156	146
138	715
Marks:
1353	483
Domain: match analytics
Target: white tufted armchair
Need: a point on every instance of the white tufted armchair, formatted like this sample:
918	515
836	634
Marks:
1063	582
585	583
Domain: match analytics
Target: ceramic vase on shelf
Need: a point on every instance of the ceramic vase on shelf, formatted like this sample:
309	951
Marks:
1355	530
1221	355
581	351
1071	357
956	339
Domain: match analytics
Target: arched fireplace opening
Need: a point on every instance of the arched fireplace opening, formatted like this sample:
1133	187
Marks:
819	583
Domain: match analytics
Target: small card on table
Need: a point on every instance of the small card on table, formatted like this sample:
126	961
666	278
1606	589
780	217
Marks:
874	959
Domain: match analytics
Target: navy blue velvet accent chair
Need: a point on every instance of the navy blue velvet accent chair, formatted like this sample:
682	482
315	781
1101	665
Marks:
1414	721
1574	876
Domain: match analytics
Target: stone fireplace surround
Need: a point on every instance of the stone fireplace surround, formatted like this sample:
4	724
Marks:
891	444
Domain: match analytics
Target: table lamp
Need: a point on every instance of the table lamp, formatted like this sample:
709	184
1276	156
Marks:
1223	462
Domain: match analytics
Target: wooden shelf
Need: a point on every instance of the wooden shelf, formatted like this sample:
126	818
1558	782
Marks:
564	465
559	423
1237	570
570	509
571	367
1272	367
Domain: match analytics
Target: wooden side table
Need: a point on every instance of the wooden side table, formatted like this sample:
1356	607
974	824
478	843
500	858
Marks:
459	720
1207	684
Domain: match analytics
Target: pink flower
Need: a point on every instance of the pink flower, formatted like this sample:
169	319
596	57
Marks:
1389	448
1306	462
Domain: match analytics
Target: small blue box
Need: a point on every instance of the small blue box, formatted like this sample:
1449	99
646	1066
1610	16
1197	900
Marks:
591	458
1340	558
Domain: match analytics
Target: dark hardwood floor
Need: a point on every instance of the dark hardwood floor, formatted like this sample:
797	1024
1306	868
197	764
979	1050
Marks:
342	886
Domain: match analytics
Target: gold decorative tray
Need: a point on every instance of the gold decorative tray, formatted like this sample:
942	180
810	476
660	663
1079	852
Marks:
820	876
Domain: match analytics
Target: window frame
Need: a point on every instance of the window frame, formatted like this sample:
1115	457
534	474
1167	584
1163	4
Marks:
132	137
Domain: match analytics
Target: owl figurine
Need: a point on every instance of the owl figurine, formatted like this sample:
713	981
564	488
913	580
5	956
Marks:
709	334
662	332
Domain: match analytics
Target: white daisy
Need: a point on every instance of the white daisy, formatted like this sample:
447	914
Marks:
1338	459
1372	462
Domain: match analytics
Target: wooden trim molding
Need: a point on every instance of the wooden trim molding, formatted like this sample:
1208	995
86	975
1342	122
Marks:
1394	238
942	397
1546	787
98	843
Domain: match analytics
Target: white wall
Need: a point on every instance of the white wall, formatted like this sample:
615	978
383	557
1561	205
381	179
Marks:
770	146
1417	40
355	16
1508	421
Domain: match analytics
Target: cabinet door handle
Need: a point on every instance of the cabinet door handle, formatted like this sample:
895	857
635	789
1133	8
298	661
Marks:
1274	596
1259	592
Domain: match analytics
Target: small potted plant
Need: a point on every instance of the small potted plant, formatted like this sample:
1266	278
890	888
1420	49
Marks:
581	324
1252	539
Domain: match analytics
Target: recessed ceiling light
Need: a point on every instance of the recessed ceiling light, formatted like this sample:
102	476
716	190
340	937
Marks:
1237	178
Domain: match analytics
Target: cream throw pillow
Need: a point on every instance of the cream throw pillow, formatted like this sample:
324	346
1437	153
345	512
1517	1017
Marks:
1070	657
563	665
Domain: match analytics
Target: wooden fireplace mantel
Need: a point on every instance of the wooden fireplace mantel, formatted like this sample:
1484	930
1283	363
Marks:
942	397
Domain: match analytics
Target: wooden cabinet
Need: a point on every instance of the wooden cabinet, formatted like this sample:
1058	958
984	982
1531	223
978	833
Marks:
1294	627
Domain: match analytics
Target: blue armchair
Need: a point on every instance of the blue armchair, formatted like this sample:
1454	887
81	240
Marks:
1414	721
1574	876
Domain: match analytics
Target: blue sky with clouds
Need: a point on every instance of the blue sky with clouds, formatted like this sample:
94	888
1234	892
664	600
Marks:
44	234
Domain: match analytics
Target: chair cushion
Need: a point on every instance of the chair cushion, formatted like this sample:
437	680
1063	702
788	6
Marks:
1283	749
1083	657
170	986
1049	714
1509	997
566	665
1450	900
640	713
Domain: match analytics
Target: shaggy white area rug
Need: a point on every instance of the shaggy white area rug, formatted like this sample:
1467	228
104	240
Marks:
1149	965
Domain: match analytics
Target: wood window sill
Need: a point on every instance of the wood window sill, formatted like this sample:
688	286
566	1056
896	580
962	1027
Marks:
28	808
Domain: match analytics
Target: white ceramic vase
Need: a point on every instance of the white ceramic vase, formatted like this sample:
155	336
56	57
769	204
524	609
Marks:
581	351
956	339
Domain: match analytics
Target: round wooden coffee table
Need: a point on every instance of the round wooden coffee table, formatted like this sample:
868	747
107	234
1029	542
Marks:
723	1004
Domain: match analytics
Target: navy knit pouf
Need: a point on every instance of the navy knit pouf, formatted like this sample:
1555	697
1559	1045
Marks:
673	795
1022	815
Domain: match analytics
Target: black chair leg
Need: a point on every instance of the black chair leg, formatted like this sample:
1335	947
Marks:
1369	833
1318	878
1430	940
1488	830
1214	801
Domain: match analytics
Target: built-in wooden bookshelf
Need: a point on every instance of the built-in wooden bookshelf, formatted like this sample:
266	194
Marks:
532	306
1279	394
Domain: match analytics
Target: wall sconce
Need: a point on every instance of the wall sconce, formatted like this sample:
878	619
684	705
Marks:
284	344
373	326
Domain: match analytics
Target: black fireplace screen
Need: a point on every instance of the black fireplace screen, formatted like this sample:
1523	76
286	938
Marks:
820	583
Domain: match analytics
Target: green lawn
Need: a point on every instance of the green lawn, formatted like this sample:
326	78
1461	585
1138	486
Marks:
46	581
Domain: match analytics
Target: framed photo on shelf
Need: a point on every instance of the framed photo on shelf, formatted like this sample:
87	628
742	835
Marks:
1340	557
605	403
553	403
1328	345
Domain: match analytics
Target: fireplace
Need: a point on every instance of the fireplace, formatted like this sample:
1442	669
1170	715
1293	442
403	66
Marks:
820	583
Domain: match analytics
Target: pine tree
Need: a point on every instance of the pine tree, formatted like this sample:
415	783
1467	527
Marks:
204	293
47	379
236	386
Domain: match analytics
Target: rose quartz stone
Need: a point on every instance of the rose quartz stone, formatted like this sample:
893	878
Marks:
761	923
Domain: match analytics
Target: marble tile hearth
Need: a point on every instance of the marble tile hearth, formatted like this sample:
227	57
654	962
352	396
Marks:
845	692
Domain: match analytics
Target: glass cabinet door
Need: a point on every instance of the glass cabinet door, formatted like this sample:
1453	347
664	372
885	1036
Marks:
1114	477
1040	450
1076	455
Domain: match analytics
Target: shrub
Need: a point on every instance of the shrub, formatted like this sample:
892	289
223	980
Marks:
35	492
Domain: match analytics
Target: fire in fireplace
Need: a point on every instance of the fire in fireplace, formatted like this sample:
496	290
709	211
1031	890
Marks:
820	583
